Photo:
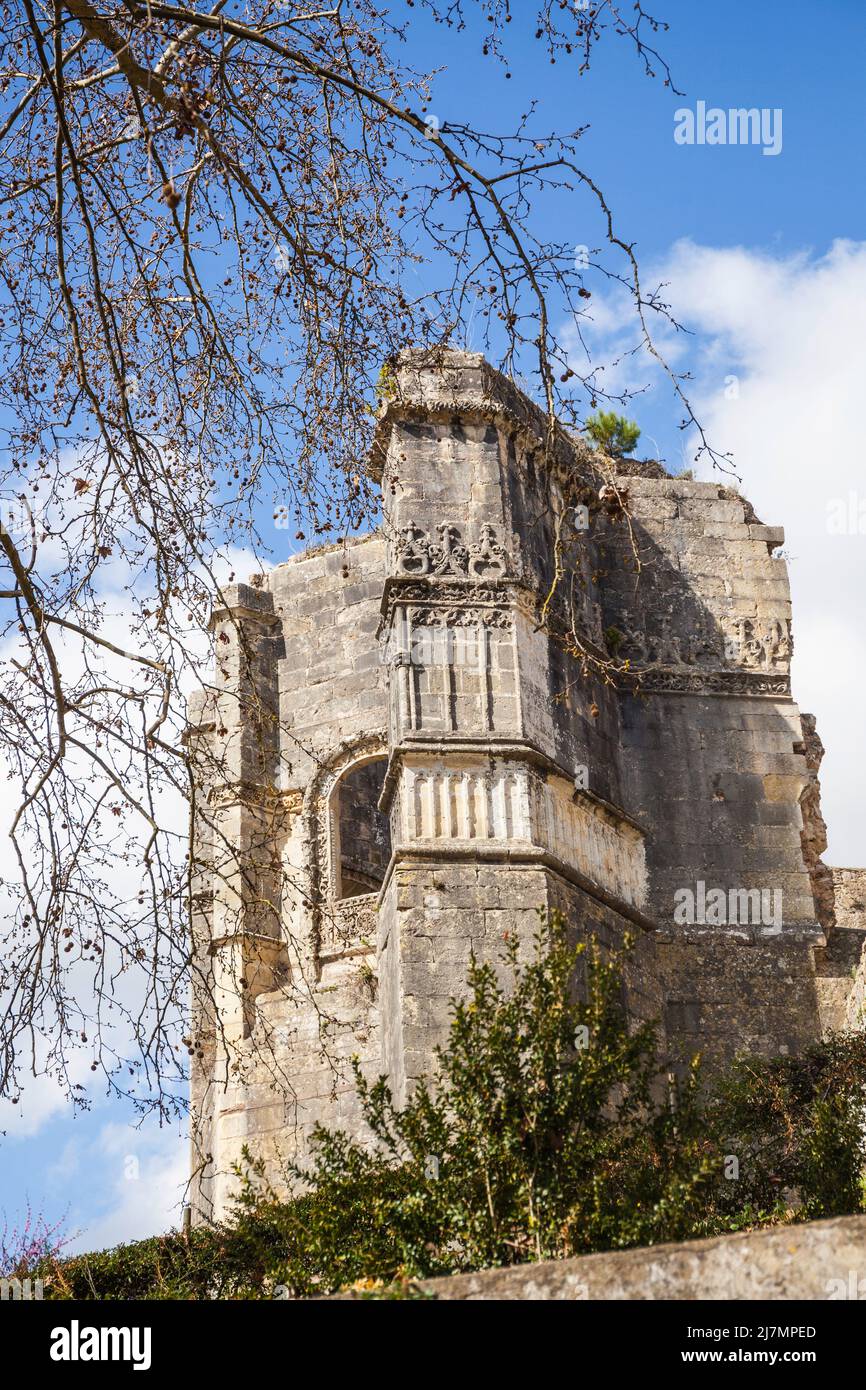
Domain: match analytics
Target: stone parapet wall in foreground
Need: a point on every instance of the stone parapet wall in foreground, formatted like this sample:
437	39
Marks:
820	1260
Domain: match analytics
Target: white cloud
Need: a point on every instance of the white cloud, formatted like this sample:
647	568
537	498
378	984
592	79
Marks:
42	1099
146	1173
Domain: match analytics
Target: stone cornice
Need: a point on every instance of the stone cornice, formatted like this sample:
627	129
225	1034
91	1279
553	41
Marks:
259	940
261	795
453	590
453	851
245	603
687	680
497	746
440	385
239	613
793	933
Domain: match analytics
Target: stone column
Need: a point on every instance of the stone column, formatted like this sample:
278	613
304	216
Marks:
238	942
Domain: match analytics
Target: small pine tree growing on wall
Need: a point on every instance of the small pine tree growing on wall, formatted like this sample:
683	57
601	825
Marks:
612	433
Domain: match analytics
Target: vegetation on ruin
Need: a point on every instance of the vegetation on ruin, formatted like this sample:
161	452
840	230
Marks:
546	1132
612	433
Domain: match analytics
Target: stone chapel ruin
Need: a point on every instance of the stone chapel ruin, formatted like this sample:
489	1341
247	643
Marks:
402	758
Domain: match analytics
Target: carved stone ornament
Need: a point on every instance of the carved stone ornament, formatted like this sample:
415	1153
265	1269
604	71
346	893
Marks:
419	555
694	682
487	558
462	618
750	645
413	553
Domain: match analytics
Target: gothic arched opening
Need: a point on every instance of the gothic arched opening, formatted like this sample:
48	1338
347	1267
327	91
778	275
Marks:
363	832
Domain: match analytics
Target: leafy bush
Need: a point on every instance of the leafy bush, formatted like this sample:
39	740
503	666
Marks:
612	433
799	1126
228	1261
547	1131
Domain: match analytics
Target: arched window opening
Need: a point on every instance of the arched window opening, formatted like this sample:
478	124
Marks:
363	833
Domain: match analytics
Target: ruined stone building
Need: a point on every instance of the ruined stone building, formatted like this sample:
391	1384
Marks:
531	688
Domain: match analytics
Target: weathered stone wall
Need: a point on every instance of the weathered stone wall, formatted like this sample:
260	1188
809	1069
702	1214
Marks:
713	761
463	662
841	964
275	1060
820	1261
713	757
436	915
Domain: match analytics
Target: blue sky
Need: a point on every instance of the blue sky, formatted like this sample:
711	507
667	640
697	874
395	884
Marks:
766	261
804	58
735	55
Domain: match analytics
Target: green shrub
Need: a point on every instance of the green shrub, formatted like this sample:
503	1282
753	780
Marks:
546	1131
798	1126
206	1264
